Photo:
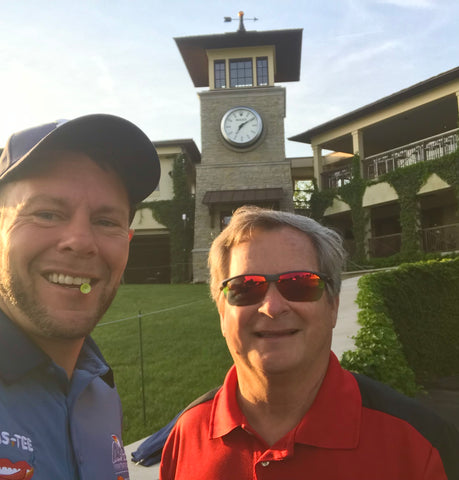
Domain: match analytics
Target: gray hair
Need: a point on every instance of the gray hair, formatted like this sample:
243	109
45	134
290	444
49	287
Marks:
245	220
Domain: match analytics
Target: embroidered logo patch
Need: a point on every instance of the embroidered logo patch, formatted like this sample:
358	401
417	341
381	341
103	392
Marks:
119	459
15	471
18	441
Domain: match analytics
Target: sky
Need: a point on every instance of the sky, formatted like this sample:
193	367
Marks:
67	58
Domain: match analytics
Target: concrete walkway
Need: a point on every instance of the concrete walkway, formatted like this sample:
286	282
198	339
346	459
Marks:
137	472
345	328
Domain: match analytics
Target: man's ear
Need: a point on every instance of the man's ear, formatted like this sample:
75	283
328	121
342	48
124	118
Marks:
131	233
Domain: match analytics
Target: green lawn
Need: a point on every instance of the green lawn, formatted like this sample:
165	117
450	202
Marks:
183	350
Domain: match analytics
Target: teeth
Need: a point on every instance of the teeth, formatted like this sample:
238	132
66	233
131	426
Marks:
8	471
62	279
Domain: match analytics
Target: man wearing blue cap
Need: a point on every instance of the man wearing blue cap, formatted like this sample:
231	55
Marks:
68	192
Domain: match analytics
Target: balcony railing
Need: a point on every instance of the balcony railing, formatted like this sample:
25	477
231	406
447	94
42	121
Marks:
442	238
427	149
336	178
376	165
385	245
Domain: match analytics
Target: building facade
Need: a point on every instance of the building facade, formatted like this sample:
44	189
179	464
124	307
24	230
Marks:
243	156
242	124
391	136
150	258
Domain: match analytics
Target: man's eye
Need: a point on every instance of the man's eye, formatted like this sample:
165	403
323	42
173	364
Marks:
105	222
45	215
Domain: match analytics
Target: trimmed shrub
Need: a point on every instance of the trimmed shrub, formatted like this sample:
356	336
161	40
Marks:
410	325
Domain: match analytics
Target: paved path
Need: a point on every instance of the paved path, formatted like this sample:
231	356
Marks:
137	472
345	328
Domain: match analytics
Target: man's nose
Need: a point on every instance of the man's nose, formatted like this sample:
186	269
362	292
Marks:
273	304
78	236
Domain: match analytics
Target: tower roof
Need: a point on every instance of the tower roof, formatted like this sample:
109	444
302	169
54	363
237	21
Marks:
287	44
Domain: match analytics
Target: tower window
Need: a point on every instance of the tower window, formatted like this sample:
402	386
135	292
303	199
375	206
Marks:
262	71
241	72
220	74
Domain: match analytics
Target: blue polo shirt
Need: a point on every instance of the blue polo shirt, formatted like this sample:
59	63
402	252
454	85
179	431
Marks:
51	427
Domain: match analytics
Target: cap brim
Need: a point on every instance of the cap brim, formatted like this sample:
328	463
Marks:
121	143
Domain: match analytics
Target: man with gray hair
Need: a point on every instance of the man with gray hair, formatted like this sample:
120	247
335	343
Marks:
68	192
287	409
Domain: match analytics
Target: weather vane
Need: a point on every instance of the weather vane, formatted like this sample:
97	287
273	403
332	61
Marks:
241	21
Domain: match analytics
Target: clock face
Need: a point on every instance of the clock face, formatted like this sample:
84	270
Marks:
241	126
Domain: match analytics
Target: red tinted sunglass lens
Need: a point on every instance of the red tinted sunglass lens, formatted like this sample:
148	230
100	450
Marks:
246	290
301	286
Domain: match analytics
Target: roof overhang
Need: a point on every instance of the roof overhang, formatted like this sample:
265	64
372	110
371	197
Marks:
240	197
405	94
187	144
287	44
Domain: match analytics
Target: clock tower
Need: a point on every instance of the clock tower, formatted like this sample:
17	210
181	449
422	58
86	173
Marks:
242	125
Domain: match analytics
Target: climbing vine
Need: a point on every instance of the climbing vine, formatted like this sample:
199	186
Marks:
352	193
178	216
406	181
320	201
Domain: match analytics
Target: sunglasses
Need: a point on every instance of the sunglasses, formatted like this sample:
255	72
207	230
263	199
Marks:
249	289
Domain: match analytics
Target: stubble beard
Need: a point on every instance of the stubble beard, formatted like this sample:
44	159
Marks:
14	292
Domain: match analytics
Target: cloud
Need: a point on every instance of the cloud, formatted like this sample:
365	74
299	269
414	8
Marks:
410	3
364	55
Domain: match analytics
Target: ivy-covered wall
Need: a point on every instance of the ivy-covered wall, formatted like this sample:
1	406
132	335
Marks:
352	194
407	182
178	216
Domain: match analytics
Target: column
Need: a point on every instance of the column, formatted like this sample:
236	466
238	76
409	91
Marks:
357	148
318	167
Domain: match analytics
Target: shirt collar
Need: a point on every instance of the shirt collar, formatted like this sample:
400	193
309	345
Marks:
19	355
91	360
333	421
226	414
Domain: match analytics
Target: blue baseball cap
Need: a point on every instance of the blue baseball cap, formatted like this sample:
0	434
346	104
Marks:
121	142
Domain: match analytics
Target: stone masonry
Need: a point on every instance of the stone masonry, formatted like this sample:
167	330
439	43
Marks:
223	167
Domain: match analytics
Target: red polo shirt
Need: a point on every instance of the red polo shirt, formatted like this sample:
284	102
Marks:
339	438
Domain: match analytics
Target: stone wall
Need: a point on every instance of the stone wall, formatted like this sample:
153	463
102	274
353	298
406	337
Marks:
223	167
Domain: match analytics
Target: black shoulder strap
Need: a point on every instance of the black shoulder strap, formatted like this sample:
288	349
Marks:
149	451
203	398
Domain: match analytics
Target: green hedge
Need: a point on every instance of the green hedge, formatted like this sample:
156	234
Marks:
410	325
399	258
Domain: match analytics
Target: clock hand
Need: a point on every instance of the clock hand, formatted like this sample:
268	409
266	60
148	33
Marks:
245	123
241	125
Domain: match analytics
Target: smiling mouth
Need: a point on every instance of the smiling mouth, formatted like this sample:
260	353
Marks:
68	280
276	334
15	471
